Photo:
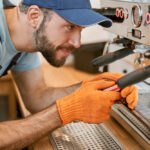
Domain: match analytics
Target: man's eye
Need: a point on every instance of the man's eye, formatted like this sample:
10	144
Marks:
70	27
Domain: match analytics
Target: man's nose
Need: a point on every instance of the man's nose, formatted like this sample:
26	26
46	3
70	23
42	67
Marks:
75	40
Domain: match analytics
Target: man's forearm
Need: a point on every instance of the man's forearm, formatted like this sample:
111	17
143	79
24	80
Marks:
35	92
47	96
53	94
20	133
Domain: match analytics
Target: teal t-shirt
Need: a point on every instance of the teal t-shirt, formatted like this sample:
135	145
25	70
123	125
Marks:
26	61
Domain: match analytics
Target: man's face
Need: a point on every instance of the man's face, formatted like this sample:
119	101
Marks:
56	39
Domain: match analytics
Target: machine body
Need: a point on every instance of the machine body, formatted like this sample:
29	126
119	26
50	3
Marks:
132	27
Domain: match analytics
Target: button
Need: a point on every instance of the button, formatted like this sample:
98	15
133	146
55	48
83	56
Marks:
148	18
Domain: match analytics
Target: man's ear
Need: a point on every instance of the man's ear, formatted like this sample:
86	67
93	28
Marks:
34	16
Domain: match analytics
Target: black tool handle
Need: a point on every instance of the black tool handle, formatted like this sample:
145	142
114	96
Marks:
134	77
111	57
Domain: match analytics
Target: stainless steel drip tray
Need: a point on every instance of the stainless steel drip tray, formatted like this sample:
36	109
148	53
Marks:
136	126
82	136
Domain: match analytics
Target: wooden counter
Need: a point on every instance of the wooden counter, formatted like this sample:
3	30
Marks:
6	89
66	76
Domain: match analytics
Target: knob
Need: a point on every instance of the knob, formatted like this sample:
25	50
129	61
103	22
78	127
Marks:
113	13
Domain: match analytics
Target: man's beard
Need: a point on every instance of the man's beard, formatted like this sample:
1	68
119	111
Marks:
46	48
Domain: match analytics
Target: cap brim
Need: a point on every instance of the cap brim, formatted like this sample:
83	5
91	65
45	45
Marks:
84	17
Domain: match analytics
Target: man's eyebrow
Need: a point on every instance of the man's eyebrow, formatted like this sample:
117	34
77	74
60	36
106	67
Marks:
82	27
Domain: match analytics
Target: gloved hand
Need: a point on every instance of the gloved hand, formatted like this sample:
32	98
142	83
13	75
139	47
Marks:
130	93
89	103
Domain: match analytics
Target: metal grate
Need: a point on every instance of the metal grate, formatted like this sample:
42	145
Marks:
143	107
81	136
137	125
141	128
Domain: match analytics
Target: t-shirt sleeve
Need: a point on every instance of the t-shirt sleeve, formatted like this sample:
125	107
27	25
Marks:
28	61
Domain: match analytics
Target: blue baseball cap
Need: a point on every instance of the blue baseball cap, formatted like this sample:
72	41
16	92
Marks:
78	12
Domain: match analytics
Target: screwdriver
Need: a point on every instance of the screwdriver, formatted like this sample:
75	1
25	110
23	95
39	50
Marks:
130	79
117	89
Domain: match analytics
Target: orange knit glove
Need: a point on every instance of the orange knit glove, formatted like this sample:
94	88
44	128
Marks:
130	93
89	103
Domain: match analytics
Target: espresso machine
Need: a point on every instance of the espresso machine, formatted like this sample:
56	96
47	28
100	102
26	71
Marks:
131	25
